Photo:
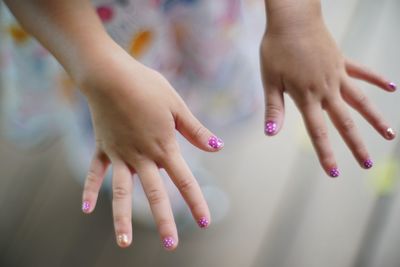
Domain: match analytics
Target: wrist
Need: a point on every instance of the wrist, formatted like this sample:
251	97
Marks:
86	55
97	63
293	17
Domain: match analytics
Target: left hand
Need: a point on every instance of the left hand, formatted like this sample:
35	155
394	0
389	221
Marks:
309	66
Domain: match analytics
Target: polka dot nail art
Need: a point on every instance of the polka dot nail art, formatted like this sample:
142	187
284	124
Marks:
368	164
203	222
334	172
215	142
168	242
270	128
86	206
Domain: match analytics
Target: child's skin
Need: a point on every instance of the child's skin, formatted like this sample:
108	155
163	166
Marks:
300	57
135	110
135	113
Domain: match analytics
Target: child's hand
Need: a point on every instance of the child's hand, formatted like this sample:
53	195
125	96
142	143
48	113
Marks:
135	114
306	63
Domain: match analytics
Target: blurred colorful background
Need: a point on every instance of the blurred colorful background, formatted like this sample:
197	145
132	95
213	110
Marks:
272	205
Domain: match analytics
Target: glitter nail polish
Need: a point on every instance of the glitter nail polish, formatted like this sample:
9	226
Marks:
215	142
390	133
123	240
203	222
334	172
168	242
393	86
270	128
86	206
368	164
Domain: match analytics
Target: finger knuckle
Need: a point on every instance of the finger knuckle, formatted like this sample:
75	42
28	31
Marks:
120	219
186	185
319	133
167	146
91	177
155	196
164	223
120	192
273	110
361	101
325	86
91	183
165	151
304	102
348	125
199	131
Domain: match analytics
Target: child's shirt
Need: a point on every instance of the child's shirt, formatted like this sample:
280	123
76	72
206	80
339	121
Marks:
207	49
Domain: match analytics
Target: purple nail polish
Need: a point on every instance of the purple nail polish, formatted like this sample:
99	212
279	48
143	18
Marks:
270	128
368	164
391	133
393	86
215	142
334	172
203	222
168	242
86	206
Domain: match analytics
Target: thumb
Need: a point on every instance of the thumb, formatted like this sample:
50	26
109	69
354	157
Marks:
195	132
274	110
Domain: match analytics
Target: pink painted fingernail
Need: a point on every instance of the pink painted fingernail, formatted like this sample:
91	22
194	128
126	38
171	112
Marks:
390	133
203	222
168	242
368	164
215	142
334	172
393	86
270	128
86	206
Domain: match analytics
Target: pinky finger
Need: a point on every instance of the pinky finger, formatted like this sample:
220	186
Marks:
94	180
358	71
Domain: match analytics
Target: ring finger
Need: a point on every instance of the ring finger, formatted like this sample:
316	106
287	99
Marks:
159	203
343	122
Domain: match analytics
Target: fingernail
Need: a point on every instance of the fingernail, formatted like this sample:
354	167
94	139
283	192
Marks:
203	222
390	133
168	242
86	206
393	86
215	142
334	172
368	164
123	240
270	128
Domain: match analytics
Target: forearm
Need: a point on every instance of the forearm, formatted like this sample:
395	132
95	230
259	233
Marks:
69	29
292	16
